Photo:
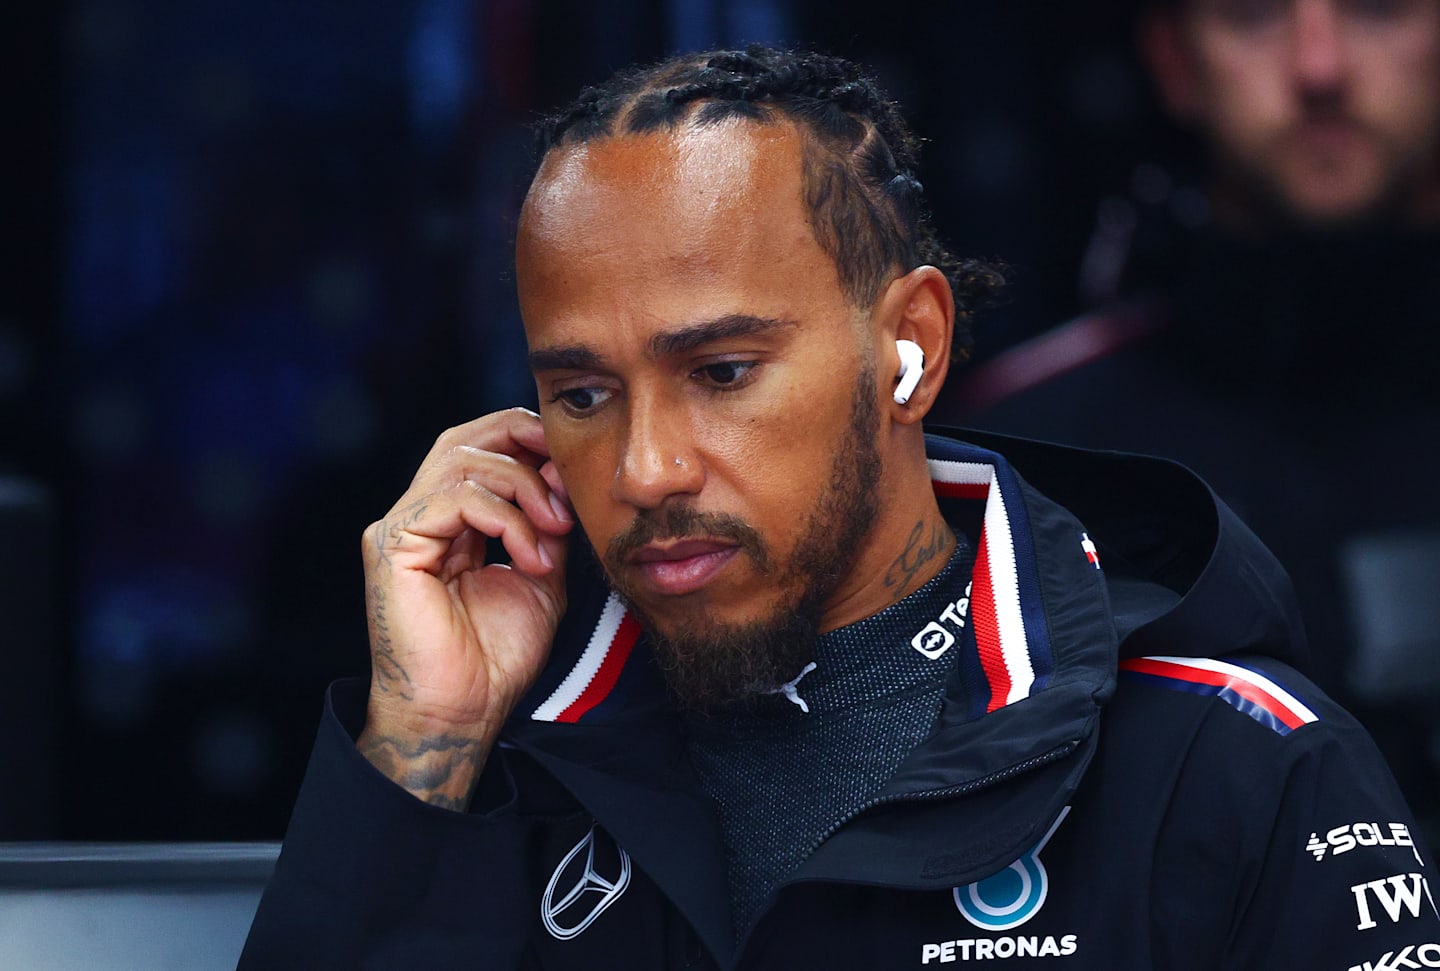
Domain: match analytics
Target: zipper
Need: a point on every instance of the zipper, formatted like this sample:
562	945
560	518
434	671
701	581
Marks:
931	795
974	785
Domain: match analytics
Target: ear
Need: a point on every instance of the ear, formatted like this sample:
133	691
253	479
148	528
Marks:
1169	55
915	307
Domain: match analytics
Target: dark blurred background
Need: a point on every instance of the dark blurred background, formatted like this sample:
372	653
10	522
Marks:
256	255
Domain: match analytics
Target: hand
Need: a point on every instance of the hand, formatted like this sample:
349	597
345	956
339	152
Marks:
455	642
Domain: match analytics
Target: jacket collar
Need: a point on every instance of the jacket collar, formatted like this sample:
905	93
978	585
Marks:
1038	661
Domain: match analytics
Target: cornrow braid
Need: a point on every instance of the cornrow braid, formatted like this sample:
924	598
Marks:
865	202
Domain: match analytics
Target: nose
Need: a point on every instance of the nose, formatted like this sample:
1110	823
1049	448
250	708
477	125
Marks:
659	457
1318	45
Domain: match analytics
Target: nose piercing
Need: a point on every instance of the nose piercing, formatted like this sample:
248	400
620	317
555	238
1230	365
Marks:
677	461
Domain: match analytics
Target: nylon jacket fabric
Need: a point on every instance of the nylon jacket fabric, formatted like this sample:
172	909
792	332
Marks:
1081	801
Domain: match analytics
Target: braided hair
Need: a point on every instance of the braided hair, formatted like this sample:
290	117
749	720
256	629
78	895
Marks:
866	204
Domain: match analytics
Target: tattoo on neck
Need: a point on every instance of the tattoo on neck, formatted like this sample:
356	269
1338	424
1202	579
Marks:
923	546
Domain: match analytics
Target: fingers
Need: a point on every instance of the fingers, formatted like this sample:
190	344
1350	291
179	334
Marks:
515	432
551	475
430	531
498	451
491	475
507	478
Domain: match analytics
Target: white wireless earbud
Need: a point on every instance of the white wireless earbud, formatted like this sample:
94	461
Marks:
912	366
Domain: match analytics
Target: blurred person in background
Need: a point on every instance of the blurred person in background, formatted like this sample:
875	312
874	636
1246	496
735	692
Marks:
1274	326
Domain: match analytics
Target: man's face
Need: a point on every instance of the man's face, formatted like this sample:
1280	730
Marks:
1327	110
706	389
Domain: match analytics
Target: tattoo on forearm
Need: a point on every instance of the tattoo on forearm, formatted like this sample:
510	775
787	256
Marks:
920	549
441	770
388	675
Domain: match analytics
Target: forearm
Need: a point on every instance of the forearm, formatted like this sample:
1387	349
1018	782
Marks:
441	769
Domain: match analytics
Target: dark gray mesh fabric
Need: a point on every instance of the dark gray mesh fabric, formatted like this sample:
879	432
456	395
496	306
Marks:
782	777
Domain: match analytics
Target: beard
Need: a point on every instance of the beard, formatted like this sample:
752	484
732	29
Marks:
709	663
1268	179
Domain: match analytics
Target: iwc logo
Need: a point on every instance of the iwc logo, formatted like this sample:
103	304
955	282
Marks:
1011	897
592	876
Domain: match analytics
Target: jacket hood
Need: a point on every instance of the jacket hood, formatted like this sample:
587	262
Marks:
1185	576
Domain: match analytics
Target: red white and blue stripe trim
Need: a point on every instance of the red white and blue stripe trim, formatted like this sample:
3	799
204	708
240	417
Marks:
1242	688
1010	632
598	669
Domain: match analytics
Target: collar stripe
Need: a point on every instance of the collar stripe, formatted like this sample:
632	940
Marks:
987	628
1000	631
597	670
1245	690
960	490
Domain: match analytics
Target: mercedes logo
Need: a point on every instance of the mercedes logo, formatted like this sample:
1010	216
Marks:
592	876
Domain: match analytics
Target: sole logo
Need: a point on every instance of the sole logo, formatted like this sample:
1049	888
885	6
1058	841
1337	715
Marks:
592	876
1011	897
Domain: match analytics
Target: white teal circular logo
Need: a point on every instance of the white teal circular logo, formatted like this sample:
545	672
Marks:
1007	899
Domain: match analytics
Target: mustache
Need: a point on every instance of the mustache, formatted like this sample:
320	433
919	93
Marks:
683	522
1327	107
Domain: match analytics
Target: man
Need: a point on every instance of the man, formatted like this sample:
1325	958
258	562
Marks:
1272	344
773	679
1319	113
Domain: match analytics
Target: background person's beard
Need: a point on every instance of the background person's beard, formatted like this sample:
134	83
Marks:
708	663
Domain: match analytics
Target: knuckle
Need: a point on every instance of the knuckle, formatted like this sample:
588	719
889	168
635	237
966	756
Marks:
449	438
368	539
469	488
468	457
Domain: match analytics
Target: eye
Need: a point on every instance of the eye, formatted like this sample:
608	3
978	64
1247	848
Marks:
725	374
1248	14
582	401
1380	9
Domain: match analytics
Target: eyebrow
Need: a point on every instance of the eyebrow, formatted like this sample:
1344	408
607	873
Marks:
579	357
575	357
721	328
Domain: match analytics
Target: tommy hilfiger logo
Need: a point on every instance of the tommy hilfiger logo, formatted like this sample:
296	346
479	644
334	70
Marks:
592	876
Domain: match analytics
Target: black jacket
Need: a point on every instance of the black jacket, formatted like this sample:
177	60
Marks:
1069	809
